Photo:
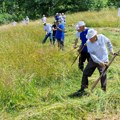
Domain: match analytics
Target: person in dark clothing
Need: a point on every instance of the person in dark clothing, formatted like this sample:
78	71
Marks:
54	28
84	53
56	17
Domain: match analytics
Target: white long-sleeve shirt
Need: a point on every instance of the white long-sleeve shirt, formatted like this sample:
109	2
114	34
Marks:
48	28
98	50
44	19
77	35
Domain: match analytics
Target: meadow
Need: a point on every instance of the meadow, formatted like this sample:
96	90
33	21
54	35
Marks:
36	79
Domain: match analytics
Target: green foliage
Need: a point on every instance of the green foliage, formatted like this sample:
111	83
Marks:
114	3
5	18
98	5
18	9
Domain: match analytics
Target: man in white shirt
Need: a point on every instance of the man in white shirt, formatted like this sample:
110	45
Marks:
44	19
96	45
14	23
48	29
64	18
77	36
27	20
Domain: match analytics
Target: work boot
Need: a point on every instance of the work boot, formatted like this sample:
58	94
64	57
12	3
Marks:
81	67
79	93
104	89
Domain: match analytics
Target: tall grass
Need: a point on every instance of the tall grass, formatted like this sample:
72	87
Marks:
36	79
104	18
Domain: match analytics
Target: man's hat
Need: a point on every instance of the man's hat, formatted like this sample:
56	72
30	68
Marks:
81	23
91	33
77	27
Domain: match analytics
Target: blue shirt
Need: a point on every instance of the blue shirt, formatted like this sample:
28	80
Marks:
56	17
98	50
84	39
60	34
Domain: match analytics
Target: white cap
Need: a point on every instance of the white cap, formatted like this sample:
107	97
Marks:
77	27
91	33
81	23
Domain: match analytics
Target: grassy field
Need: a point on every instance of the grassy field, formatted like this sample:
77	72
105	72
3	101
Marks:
36	79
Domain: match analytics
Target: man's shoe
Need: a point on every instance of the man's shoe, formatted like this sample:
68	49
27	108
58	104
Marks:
79	93
81	67
104	89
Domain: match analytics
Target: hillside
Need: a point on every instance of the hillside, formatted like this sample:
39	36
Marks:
36	79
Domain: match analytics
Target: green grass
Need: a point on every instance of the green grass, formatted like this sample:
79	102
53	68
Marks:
36	79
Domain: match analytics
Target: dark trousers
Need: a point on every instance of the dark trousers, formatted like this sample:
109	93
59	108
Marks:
46	36
82	58
60	44
54	39
88	71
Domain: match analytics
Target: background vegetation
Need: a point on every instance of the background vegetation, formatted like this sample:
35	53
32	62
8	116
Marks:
11	10
35	79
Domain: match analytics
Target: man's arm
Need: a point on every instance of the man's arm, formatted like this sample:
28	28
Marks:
110	47
60	29
76	40
75	44
109	44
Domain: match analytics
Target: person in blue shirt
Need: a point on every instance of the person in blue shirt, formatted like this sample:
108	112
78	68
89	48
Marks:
60	35
84	53
56	17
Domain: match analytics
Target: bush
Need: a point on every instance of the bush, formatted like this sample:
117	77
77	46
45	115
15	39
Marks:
113	3
5	18
82	5
98	5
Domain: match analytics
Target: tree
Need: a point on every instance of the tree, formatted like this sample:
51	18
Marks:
115	3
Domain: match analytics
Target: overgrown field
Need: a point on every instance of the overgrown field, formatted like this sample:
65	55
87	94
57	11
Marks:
36	79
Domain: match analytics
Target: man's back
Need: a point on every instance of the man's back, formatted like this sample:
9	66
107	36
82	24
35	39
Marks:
98	48
48	28
83	38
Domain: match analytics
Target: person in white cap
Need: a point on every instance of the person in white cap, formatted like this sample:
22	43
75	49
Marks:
56	17
96	45
27	20
44	19
64	18
48	29
84	53
14	23
77	36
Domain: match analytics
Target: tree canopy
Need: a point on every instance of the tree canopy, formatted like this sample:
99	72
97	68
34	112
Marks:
18	9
